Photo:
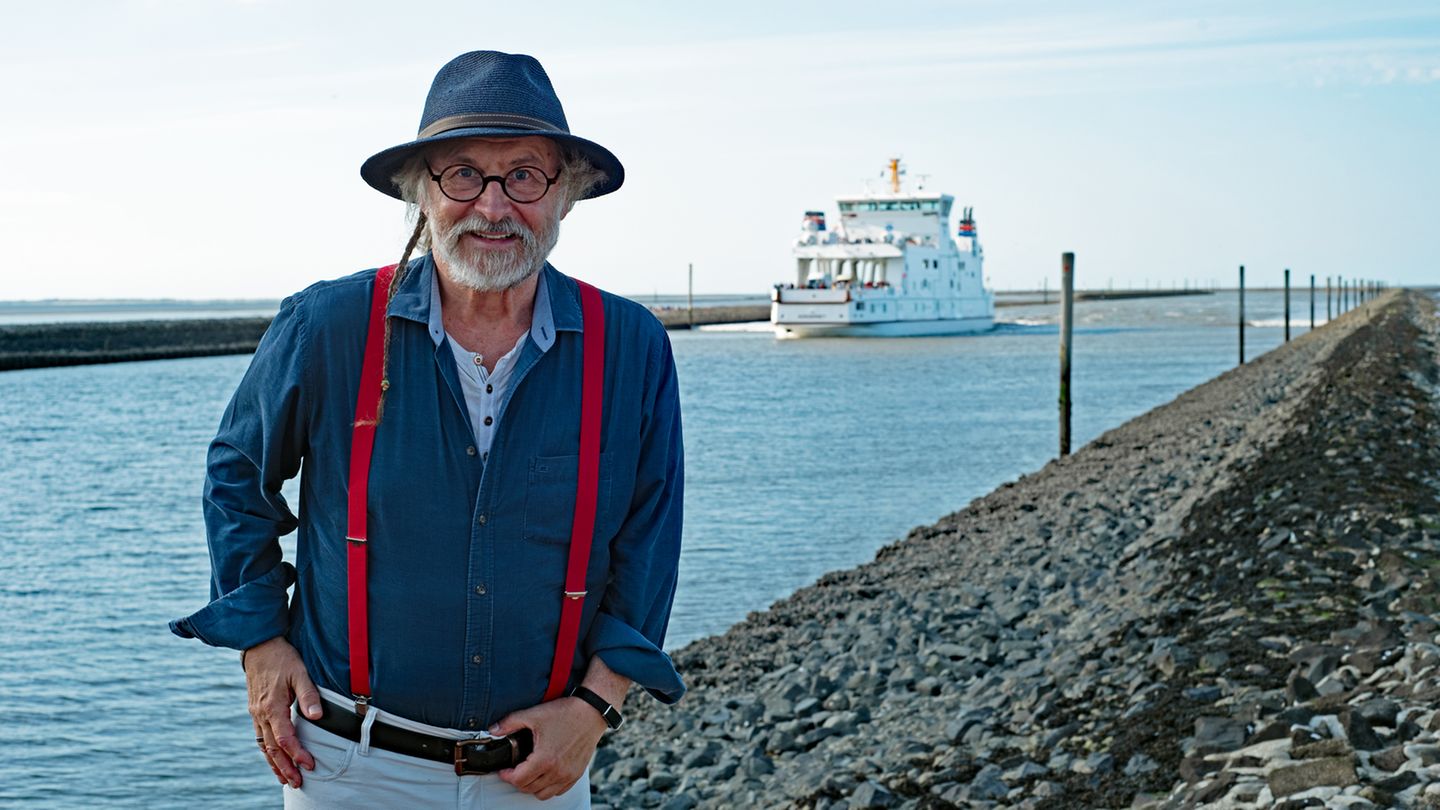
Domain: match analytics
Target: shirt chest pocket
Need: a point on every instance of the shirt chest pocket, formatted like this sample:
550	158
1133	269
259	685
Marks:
550	498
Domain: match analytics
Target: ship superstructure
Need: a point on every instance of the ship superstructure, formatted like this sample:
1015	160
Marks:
889	268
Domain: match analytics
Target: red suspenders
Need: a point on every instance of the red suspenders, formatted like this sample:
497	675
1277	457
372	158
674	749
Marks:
582	530
587	486
362	444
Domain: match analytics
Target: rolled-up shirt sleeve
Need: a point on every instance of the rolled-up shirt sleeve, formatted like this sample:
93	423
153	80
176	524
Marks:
259	445
629	627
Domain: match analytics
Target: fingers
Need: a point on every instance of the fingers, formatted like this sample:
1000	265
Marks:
264	752
565	739
275	676
541	782
553	790
289	742
542	776
277	749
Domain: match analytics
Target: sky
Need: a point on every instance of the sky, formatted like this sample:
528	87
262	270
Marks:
210	149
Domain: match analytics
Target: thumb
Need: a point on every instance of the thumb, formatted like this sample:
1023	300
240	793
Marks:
306	695
510	723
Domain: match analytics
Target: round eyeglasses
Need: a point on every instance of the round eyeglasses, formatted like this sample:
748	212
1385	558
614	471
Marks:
463	183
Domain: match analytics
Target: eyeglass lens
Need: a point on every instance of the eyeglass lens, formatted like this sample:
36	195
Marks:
522	184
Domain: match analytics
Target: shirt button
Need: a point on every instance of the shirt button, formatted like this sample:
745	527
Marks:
481	520
475	659
480	589
479	361
489	421
471	722
489	389
470	451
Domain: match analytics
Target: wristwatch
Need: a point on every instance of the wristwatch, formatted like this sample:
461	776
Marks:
612	715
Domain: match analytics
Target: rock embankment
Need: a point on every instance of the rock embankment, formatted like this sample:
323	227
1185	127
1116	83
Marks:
1229	601
73	344
680	317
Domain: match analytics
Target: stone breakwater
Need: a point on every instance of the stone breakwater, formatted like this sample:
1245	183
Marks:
679	317
71	344
1229	601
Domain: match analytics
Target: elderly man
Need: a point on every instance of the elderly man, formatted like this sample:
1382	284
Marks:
489	517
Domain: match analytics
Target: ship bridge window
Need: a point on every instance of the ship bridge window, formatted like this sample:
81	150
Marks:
888	205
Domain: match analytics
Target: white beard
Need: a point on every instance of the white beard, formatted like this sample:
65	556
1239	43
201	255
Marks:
491	272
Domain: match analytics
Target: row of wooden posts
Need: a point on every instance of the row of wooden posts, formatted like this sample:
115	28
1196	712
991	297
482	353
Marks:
1343	295
1340	297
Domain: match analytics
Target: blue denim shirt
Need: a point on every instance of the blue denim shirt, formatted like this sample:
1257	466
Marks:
467	558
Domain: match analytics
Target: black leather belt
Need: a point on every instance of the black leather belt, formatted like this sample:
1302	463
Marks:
468	756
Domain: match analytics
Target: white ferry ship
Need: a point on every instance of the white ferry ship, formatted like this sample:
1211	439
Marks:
891	268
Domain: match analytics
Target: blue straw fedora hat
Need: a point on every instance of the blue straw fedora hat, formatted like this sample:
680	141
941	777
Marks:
487	94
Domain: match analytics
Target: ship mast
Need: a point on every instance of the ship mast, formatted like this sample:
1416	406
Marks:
895	175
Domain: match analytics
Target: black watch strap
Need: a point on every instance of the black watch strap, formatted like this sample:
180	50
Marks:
612	715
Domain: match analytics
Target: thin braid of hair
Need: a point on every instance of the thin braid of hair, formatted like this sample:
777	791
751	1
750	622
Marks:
389	295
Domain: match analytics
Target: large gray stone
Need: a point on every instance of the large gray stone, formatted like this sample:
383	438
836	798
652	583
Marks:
1389	759
1216	734
987	784
1140	764
1358	730
1331	772
871	794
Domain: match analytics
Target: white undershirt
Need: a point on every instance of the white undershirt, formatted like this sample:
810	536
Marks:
484	391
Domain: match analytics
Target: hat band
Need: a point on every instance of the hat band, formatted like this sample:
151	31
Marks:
488	120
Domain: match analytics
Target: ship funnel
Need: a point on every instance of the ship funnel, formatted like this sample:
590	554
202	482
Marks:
967	223
814	221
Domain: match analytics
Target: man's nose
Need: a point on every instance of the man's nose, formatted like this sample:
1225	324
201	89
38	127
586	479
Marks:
492	202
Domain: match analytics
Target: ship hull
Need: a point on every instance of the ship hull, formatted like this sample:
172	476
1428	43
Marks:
917	328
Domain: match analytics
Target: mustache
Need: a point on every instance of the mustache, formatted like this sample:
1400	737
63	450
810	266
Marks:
475	223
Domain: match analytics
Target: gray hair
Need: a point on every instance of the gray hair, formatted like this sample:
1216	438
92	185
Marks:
577	177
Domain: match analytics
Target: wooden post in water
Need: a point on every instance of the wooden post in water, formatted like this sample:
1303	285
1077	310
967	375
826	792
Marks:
1067	298
691	295
1328	316
1242	314
1340	295
1287	305
1312	302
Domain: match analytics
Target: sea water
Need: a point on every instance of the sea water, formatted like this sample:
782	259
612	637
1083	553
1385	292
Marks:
802	456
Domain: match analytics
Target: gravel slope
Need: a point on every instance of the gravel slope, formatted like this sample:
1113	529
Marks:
1228	601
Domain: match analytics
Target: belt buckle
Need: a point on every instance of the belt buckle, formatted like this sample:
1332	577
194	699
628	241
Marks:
462	762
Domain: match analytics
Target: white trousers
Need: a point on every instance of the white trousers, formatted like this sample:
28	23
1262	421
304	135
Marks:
356	774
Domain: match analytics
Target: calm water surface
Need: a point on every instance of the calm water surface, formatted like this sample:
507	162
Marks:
802	457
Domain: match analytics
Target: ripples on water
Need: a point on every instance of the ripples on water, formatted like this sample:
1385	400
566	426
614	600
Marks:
802	457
